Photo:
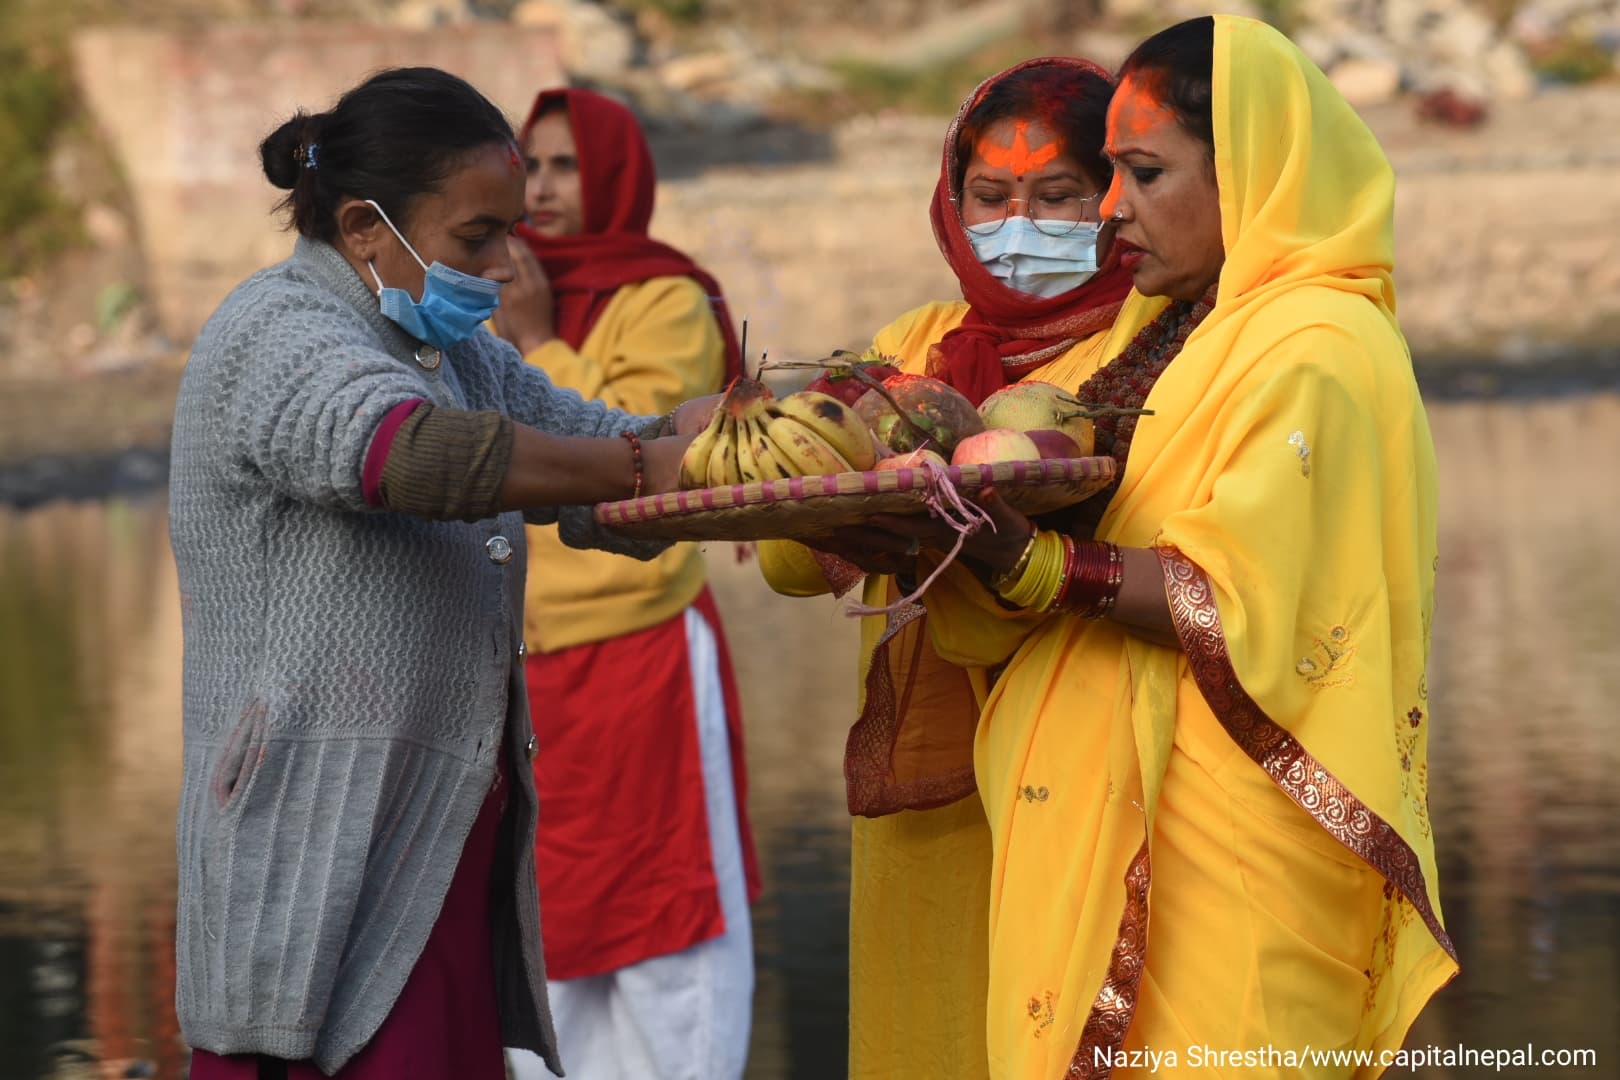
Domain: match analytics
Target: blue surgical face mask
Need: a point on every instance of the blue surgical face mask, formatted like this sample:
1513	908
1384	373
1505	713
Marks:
1022	257
453	305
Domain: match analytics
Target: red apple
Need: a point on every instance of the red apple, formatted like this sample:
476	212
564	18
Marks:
997	444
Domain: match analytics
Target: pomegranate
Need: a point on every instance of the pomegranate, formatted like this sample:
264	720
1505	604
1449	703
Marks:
842	382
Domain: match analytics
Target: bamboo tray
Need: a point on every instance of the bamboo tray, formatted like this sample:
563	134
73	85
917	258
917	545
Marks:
809	506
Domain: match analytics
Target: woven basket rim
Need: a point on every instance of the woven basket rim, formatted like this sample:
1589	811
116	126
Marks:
729	508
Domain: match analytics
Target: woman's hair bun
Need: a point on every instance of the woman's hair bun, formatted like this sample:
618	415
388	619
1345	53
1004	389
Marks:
284	151
400	134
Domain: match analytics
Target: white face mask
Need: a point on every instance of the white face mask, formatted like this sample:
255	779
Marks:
1022	257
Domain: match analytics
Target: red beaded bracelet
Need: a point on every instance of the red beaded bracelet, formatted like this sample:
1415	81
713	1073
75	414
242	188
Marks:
635	459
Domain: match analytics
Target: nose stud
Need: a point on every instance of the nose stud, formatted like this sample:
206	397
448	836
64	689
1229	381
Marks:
1117	216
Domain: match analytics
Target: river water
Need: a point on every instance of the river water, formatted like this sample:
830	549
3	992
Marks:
1524	763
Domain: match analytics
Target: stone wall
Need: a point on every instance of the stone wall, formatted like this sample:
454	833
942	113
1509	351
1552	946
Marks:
1507	237
186	110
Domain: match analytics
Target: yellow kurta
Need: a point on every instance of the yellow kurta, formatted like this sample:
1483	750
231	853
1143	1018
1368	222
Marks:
1227	847
655	345
919	880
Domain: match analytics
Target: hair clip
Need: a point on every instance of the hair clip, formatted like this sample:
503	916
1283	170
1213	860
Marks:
309	155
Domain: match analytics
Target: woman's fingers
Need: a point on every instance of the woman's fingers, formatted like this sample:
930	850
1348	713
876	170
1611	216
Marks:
869	553
693	415
882	538
1007	518
911	532
525	317
872	539
662	463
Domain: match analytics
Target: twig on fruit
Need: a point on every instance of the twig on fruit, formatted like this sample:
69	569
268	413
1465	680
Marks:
1088	411
818	365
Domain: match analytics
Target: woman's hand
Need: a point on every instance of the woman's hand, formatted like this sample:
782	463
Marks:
874	550
525	315
997	549
661	463
693	416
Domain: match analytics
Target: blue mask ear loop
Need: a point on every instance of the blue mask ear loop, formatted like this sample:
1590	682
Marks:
397	235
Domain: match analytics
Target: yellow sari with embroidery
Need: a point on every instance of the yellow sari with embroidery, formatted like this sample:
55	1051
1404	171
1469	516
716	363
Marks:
1221	855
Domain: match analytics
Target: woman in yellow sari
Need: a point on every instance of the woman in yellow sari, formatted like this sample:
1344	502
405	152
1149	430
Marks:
1205	762
1015	214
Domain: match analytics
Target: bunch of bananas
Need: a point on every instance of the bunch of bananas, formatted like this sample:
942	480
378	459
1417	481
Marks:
756	436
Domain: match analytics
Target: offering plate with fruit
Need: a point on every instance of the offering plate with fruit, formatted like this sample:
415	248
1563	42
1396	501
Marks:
864	439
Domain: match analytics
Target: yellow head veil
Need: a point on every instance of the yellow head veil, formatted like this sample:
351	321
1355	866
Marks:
1307	196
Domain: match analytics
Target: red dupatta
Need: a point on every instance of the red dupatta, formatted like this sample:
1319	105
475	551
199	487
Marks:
617	180
1007	334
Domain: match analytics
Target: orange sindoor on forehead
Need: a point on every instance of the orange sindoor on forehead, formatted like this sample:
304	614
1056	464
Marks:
1135	111
1020	157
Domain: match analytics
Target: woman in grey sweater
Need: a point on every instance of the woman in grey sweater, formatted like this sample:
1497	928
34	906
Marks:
354	459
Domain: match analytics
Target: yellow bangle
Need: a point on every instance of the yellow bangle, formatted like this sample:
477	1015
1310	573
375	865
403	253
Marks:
1042	577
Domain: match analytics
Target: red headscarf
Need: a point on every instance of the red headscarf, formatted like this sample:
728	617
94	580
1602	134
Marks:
616	187
1007	333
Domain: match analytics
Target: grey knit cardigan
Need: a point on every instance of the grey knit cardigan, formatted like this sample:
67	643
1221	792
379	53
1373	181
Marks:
349	673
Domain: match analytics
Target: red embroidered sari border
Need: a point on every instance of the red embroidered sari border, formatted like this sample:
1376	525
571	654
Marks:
1301	777
1115	1005
869	789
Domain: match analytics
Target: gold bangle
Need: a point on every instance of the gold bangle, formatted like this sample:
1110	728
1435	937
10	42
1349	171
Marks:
1005	581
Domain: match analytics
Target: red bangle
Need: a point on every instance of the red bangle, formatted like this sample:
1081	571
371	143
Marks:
1092	579
1071	568
635	459
1065	574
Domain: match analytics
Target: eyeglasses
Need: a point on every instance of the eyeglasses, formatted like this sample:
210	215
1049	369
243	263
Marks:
1054	215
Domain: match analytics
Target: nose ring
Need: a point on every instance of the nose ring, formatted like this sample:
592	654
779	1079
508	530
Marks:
1118	215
